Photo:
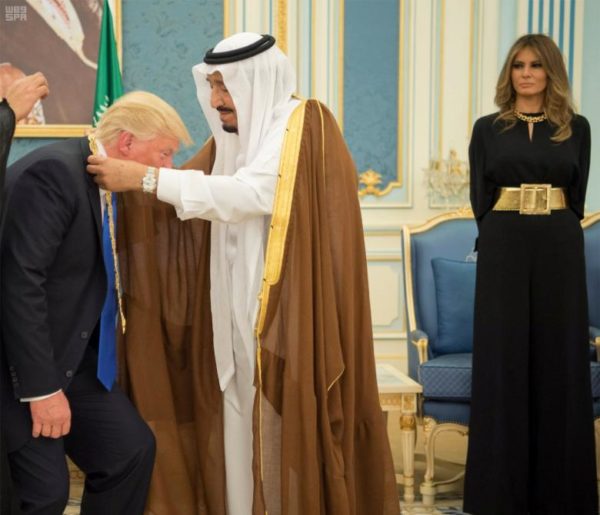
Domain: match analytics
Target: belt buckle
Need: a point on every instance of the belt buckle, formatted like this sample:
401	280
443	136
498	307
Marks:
535	199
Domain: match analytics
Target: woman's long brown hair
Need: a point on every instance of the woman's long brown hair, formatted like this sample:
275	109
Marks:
558	104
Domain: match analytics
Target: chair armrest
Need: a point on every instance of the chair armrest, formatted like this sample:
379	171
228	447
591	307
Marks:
595	340
420	340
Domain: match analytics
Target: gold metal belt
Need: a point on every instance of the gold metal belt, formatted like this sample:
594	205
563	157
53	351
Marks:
531	199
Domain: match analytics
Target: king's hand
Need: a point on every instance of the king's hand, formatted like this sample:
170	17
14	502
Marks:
116	174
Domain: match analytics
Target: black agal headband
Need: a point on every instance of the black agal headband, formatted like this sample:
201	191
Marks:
231	56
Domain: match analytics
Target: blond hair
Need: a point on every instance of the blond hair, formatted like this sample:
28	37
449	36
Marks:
558	105
144	115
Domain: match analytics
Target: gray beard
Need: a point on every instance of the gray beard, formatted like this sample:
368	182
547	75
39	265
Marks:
230	128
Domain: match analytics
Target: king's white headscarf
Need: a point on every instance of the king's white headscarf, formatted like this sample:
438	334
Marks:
261	88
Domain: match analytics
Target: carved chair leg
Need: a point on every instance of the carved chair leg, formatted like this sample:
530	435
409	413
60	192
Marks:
408	432
428	489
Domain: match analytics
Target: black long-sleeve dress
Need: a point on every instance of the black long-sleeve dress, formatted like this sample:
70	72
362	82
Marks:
531	438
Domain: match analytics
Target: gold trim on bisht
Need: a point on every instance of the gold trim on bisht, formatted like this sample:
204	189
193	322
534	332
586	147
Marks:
113	239
282	208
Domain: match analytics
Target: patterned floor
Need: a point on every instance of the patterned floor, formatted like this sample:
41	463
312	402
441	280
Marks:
446	506
452	451
412	509
442	509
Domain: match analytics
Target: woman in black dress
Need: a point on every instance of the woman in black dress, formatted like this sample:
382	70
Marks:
531	437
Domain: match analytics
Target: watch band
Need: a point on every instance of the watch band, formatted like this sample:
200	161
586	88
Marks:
149	181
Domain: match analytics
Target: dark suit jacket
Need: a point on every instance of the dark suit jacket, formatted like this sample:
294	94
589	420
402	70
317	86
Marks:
52	276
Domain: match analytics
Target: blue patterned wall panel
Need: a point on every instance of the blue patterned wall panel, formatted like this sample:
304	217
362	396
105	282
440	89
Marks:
371	46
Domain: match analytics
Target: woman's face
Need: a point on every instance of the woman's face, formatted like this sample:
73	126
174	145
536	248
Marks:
528	76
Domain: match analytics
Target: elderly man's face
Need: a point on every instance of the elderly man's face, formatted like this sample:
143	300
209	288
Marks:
221	100
158	151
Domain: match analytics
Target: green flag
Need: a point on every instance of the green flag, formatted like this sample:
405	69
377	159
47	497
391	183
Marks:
109	86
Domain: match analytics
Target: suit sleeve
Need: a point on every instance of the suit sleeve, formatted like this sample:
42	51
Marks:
38	212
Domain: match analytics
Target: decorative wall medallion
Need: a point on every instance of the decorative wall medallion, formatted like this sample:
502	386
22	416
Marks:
371	180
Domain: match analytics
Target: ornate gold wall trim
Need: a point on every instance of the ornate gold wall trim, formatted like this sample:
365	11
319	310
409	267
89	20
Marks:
313	46
400	147
441	81
472	37
226	18
282	24
52	131
342	20
384	258
117	18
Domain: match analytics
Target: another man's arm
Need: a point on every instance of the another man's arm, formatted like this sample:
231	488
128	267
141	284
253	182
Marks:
37	215
23	93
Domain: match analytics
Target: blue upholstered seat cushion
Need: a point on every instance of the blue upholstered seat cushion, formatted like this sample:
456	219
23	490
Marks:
448	411
455	297
447	377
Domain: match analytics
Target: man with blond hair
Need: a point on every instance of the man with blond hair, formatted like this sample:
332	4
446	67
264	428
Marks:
57	282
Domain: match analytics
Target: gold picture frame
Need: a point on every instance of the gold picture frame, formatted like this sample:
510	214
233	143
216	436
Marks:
60	39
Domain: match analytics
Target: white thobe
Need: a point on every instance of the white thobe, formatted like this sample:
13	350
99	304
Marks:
238	198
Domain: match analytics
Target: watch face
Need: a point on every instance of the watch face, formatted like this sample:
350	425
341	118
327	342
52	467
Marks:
149	183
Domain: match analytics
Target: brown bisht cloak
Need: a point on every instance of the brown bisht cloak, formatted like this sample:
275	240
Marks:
166	357
320	442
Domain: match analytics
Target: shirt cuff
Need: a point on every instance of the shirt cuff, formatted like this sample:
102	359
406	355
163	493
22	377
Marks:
169	186
39	398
